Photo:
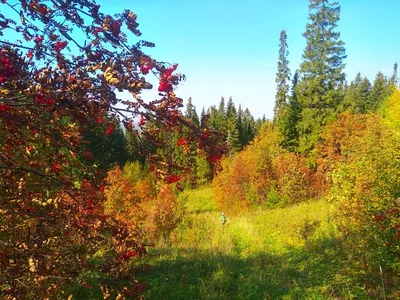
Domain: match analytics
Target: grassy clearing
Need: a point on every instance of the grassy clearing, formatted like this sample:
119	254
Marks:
286	253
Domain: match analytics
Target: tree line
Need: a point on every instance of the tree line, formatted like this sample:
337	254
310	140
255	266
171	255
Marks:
318	90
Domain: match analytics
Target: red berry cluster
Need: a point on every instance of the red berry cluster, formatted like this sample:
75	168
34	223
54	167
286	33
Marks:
4	108
165	81
7	68
41	98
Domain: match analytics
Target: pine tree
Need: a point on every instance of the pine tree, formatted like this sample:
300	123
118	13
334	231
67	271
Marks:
282	80
319	92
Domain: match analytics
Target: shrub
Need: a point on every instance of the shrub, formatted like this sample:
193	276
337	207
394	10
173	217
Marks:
366	190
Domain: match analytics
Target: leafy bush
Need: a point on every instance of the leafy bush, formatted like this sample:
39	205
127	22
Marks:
366	190
263	173
166	216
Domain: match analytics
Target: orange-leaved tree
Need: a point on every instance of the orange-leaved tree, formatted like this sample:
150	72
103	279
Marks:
263	174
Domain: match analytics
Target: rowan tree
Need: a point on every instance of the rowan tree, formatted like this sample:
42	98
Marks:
61	64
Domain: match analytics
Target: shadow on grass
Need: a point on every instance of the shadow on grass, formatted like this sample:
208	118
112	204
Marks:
194	274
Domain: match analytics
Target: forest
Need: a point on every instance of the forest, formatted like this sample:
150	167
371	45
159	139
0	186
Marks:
104	196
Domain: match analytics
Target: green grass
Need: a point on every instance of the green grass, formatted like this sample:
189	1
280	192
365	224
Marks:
285	253
198	201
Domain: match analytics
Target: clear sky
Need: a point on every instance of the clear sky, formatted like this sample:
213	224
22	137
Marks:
230	47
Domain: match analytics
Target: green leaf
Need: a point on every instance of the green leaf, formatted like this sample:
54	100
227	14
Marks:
65	120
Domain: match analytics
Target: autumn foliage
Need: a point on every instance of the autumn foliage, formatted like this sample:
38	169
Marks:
263	174
152	211
365	188
60	69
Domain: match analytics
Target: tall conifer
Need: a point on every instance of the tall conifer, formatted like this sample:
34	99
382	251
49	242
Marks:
282	80
319	90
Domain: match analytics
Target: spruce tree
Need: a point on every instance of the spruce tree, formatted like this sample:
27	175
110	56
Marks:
282	80
394	80
380	91
220	123
213	113
319	92
240	126
248	126
231	123
290	134
191	112
230	109
221	108
357	96
189	108
203	117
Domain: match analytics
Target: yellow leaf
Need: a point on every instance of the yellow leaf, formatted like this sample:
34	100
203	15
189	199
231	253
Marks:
4	91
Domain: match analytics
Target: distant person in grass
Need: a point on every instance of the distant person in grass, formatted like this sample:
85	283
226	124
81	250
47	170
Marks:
223	219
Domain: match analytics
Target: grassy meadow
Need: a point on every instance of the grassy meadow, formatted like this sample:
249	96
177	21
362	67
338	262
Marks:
282	253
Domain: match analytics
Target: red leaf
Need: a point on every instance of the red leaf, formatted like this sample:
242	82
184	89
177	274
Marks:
172	179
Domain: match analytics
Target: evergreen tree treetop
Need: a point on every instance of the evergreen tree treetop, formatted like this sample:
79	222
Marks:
324	53
282	78
320	88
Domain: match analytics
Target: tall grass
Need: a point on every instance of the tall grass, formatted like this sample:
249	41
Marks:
284	253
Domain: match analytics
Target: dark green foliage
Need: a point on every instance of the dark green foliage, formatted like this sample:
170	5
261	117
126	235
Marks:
221	108
107	149
191	112
232	126
380	91
214	117
133	147
289	123
282	81
238	126
319	91
394	80
357	97
202	117
248	124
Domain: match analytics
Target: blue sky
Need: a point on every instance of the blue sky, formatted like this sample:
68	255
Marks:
230	48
